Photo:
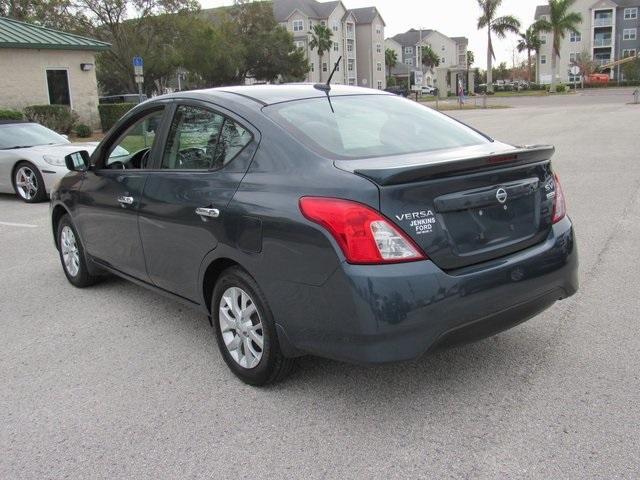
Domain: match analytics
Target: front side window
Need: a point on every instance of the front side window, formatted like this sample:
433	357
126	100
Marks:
378	48
200	139
370	126
336	46
629	34
543	59
58	87
628	52
573	38
133	148
298	25
379	66
630	13
408	50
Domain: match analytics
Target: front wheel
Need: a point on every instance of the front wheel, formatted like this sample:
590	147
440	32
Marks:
72	256
245	330
28	183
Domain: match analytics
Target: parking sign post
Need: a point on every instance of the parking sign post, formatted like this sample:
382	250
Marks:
138	71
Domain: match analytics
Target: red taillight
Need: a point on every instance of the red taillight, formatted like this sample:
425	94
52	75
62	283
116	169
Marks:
363	234
559	203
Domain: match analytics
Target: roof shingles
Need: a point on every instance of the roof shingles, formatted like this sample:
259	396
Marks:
15	34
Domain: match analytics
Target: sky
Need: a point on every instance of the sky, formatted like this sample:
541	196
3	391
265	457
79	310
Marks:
455	18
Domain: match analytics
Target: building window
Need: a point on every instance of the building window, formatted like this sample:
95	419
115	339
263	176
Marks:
443	49
462	59
58	86
543	39
631	13
310	24
379	66
335	27
323	23
443	60
573	57
573	38
350	65
408	50
300	44
629	33
408	61
336	47
298	25
573	78
349	47
379	84
313	67
378	29
324	66
378	47
337	67
543	59
629	52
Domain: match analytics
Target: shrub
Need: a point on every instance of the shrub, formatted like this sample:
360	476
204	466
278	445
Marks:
59	118
83	131
561	88
10	115
110	113
392	82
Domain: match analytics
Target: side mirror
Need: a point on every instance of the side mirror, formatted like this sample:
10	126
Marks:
77	161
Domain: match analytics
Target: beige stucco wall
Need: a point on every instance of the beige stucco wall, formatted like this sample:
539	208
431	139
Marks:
23	80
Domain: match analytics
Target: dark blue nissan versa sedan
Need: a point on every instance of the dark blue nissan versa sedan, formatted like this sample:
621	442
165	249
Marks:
347	223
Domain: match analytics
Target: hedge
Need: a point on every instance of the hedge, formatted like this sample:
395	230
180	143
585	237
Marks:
110	113
10	115
59	118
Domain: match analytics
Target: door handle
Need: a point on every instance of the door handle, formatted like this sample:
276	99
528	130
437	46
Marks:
124	200
207	212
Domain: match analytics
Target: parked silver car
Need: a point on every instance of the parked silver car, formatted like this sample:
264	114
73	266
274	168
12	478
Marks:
32	159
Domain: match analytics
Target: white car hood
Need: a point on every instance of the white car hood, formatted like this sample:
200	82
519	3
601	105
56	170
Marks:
62	149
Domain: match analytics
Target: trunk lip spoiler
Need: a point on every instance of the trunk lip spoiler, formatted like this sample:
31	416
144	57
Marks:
389	174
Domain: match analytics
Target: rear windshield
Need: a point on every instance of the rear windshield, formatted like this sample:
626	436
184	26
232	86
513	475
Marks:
366	126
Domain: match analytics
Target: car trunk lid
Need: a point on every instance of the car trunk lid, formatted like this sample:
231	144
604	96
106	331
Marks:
469	205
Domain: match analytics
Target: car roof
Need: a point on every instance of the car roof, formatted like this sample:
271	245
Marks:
270	94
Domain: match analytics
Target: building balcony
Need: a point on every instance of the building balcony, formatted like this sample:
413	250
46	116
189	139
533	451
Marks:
602	42
603	22
602	61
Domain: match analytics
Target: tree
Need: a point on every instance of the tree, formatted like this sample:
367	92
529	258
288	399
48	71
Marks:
529	41
430	59
149	28
268	50
320	41
471	58
631	70
584	61
390	59
499	26
57	14
561	21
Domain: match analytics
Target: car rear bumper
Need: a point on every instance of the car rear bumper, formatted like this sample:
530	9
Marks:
377	314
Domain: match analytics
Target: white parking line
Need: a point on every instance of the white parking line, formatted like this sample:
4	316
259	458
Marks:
24	225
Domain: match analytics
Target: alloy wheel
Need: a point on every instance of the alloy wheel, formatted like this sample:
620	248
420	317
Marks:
241	327
70	252
26	183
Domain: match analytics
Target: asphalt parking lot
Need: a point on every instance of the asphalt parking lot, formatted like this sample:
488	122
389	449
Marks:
117	382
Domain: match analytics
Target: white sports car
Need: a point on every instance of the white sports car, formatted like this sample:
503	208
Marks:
32	159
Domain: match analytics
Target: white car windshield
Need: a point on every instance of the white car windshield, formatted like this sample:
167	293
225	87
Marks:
362	126
23	135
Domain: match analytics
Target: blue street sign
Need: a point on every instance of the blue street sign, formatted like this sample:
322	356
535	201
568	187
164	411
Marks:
137	61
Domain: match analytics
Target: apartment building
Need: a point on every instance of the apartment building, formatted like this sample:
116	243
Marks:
357	35
452	53
609	31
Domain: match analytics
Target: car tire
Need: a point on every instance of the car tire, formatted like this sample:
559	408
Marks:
246	332
28	183
72	257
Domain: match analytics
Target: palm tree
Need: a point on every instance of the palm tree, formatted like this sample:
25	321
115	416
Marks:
500	26
321	41
430	59
561	21
529	41
390	59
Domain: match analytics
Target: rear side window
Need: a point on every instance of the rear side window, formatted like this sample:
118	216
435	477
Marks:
201	139
370	126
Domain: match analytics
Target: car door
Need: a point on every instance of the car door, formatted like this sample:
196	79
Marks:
182	214
112	190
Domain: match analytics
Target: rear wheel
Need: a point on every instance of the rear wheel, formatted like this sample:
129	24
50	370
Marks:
28	183
72	256
245	330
